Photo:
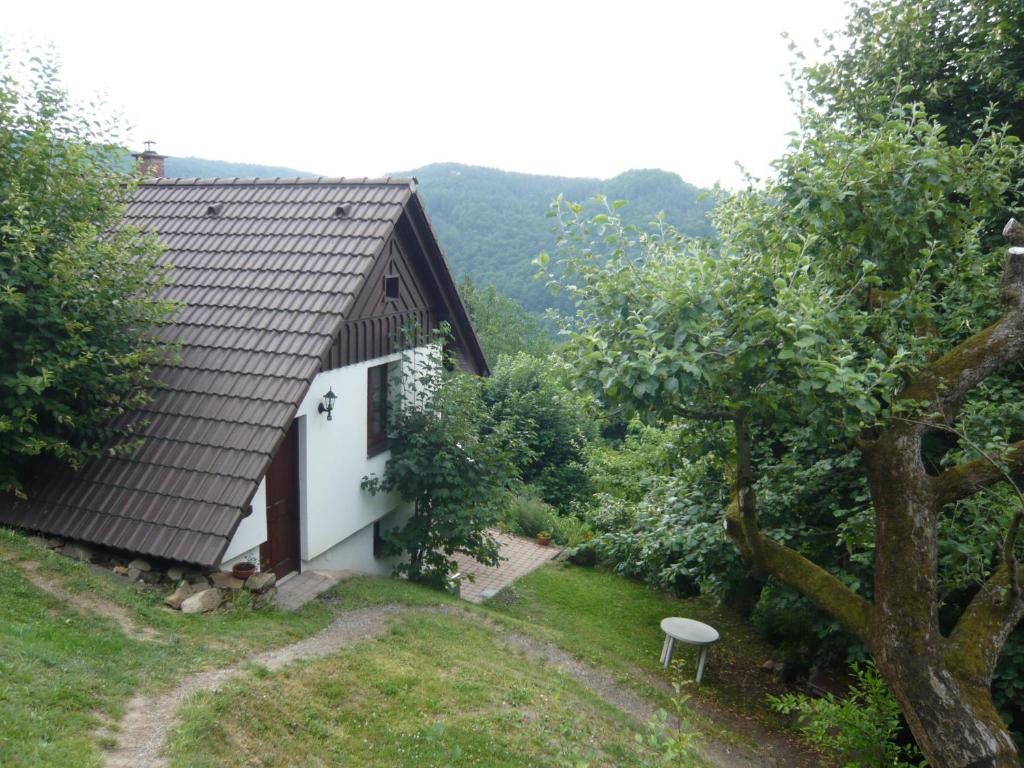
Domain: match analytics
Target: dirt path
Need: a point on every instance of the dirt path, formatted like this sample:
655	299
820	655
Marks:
148	719
775	750
86	602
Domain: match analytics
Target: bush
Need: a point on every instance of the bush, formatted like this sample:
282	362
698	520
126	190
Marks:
528	515
553	423
450	463
571	532
861	729
80	291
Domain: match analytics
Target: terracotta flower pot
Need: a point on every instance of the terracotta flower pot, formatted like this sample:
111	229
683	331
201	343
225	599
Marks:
543	540
243	570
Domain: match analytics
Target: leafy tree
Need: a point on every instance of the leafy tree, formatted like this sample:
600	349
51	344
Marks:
503	326
79	294
448	464
554	425
851	300
956	57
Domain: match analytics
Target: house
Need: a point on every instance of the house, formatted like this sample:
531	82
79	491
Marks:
291	289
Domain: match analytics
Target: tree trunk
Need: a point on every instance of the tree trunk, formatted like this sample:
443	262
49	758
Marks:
947	706
955	725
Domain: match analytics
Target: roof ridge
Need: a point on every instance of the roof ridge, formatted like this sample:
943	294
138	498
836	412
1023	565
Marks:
394	181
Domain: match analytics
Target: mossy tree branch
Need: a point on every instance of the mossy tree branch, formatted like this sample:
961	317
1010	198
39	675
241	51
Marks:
796	571
979	635
968	478
789	566
948	380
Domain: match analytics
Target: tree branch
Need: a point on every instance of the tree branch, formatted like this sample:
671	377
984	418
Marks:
796	571
979	635
709	415
966	479
946	381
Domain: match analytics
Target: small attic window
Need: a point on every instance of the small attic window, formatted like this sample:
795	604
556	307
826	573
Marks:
392	287
340	211
214	209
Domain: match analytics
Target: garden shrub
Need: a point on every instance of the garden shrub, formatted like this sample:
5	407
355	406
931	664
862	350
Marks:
570	531
450	463
862	729
528	515
554	425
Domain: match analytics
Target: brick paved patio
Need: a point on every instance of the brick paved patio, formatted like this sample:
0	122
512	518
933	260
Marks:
521	556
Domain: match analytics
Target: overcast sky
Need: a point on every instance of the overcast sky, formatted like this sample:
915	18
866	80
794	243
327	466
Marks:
357	89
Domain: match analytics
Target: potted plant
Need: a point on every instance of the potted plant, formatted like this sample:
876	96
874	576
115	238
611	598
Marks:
243	570
544	538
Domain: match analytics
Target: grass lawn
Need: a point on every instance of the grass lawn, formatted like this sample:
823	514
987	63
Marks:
436	684
64	672
613	622
438	690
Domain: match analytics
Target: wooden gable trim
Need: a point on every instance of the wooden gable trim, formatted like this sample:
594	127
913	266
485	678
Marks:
374	323
429	297
415	225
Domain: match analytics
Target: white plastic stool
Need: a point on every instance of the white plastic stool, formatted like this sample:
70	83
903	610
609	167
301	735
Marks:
687	631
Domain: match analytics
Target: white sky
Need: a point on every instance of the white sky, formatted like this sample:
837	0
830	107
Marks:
365	88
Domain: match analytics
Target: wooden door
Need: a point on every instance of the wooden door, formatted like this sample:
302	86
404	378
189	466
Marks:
280	552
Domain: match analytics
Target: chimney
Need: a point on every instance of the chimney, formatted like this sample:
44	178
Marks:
149	162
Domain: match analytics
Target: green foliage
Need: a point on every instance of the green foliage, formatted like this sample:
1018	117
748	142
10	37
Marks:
502	325
529	515
957	57
491	223
448	462
571	532
861	729
674	538
671	743
786	318
638	464
79	294
1008	684
529	397
866	256
197	167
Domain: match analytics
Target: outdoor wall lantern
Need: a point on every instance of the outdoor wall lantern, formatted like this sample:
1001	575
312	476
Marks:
328	404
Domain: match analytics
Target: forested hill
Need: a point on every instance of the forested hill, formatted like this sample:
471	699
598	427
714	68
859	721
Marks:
198	168
492	223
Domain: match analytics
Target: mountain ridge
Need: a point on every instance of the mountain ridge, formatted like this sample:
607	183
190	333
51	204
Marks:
492	223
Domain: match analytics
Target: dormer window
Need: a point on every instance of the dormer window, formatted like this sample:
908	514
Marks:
392	287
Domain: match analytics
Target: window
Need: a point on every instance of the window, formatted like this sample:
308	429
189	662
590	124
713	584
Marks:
391	287
376	409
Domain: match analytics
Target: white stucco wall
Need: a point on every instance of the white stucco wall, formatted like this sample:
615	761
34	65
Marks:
252	531
335	515
333	461
356	552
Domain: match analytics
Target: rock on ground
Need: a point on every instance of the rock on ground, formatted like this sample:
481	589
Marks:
179	595
223	580
260	582
202	602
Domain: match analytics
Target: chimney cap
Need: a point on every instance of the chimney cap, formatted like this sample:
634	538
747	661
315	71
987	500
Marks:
148	151
150	163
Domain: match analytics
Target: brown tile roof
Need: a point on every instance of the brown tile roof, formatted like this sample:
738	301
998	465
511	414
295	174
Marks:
266	270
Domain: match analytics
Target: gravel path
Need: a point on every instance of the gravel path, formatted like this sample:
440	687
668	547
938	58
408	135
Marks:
148	719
